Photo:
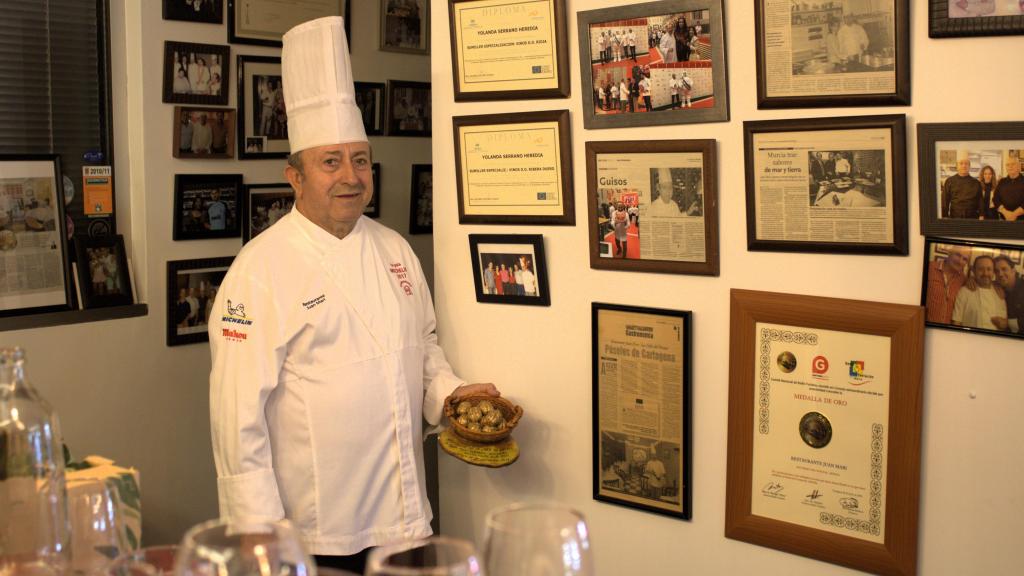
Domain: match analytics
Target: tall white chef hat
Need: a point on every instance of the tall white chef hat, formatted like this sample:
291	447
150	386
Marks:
318	91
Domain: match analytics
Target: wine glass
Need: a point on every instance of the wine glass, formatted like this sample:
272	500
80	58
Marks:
97	532
148	561
434	556
242	548
541	539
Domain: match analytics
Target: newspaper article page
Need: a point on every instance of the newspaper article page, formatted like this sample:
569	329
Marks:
640	388
651	206
829	48
31	254
824	186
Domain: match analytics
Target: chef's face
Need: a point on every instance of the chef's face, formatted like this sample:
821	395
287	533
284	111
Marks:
336	183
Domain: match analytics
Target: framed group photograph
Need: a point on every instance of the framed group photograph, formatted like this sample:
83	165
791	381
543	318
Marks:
653	206
206	206
33	237
264	22
642	438
408	111
514	168
830	54
948	18
421	200
192	286
263	205
371	101
203	132
970	179
509	269
834	185
263	124
509	50
405	26
653	63
196	73
208	11
974	286
372	209
824	453
103	275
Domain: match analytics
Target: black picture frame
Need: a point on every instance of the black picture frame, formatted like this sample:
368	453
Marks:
104	277
813	20
273	37
193	197
621	482
408	108
258	207
183	149
709	92
210	12
404	30
421	200
830	193
372	209
509	250
371	99
942	25
978	140
262	121
941	307
174	52
187	275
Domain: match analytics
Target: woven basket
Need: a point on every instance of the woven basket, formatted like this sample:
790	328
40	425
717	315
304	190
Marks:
510	411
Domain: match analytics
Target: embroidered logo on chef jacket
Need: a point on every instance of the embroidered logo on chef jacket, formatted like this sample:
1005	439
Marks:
402	275
310	304
236	314
233	335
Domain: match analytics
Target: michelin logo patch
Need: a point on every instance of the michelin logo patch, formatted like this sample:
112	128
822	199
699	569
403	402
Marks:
236	315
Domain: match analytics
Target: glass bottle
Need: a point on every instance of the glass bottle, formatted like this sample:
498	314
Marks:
34	531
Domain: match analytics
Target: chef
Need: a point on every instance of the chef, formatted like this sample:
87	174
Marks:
325	360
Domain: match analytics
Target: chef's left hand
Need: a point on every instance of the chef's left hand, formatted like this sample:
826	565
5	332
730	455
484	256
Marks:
480	388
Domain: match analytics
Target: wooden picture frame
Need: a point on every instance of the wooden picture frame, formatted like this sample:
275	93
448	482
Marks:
492	253
189	280
268	20
104	277
421	200
866	55
191	73
263	123
947	19
492	148
635	174
684	87
648	470
408	112
371	99
372	209
209	12
207	206
405	28
219	142
945	195
263	205
537	31
853	164
853	369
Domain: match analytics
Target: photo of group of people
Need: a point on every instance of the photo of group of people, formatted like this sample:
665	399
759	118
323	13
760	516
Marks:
640	467
204	133
197	73
370	101
269	118
409	113
206	206
404	27
421	211
508	274
509	269
196	292
846	178
841	36
105	272
266	205
978	182
210	11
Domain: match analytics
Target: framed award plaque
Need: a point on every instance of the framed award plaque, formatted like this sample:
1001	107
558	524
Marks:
825	428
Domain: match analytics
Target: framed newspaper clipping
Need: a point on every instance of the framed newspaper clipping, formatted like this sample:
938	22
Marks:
653	206
825	428
641	394
947	18
827	185
829	54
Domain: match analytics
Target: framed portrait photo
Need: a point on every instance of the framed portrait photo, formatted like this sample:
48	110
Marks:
201	133
196	73
509	50
421	200
206	206
653	206
834	185
371	101
263	125
970	179
509	269
372	209
263	205
208	11
408	112
948	18
643	467
104	278
653	63
831	54
264	22
824	452
192	286
974	286
405	26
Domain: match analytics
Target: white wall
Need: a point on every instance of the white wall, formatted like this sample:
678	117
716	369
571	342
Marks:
971	518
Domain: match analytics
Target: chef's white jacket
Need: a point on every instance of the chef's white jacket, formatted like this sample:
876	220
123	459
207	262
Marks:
325	361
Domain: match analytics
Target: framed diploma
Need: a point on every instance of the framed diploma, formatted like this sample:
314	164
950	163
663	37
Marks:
829	54
653	206
948	18
825	428
514	168
509	49
264	22
641	395
827	185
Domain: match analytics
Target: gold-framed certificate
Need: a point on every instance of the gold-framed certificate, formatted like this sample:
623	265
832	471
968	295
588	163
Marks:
508	49
824	428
